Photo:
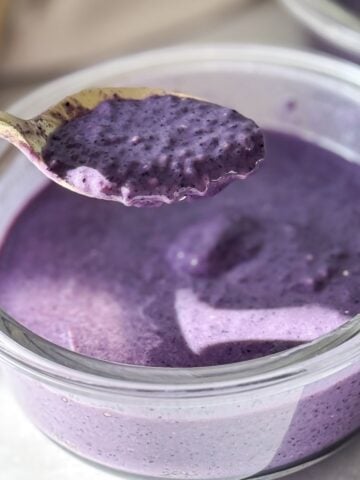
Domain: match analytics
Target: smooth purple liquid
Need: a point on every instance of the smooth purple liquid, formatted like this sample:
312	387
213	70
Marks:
150	287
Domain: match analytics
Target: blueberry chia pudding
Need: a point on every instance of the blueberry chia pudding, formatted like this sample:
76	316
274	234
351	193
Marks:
171	147
267	264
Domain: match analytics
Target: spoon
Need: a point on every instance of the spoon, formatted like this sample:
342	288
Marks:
32	137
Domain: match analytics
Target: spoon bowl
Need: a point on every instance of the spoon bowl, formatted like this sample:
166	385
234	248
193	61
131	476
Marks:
30	136
139	146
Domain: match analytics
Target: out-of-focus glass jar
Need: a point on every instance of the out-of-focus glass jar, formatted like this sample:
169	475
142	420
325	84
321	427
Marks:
336	23
255	419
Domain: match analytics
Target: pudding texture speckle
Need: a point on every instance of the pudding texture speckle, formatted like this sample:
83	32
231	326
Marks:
158	150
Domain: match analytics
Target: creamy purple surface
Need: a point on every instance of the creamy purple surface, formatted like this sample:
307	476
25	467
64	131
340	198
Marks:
267	264
264	265
157	150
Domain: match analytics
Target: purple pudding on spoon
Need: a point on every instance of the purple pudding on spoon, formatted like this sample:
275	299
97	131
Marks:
104	143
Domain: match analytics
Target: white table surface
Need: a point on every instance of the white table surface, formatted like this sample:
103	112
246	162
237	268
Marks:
25	454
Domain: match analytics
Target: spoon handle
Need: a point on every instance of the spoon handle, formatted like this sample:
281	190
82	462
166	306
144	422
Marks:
12	128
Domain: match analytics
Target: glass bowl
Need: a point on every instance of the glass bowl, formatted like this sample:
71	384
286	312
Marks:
331	22
257	419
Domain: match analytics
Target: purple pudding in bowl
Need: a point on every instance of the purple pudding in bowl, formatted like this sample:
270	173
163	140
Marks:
210	339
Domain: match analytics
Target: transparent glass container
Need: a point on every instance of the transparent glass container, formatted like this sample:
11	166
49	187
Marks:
256	419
